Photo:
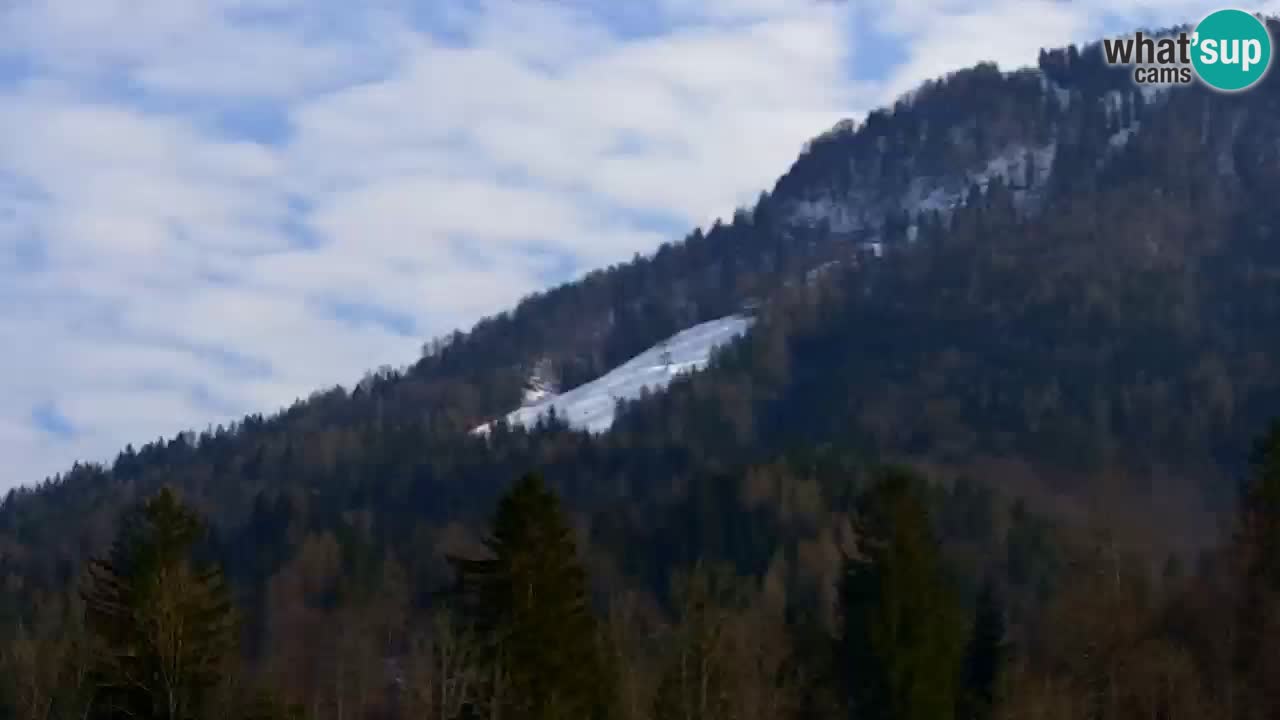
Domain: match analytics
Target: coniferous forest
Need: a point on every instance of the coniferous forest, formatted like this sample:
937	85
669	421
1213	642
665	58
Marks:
1000	444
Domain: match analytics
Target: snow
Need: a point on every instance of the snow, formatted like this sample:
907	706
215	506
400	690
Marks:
535	395
1154	92
541	383
591	406
816	274
858	212
1226	160
936	199
1011	165
931	194
1060	93
840	216
1122	136
1113	104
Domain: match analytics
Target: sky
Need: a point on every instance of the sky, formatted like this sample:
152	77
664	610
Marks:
216	207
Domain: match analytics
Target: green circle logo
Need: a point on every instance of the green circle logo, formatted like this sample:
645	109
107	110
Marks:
1232	50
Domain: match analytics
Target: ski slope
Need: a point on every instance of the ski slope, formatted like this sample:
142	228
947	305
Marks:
591	406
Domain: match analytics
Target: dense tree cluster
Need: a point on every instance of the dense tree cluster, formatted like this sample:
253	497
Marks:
518	633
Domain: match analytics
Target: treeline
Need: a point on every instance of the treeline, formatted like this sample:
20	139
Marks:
329	609
153	632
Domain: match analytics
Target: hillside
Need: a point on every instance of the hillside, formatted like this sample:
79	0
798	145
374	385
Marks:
591	406
1045	285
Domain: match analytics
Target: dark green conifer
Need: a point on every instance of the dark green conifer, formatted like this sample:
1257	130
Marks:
528	601
165	622
901	644
985	656
1257	615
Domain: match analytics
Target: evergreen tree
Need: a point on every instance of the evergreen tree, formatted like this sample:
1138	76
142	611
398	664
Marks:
1261	523
1258	604
528	603
985	656
165	622
901	642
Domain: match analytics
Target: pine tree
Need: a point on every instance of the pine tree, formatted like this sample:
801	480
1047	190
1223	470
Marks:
985	656
1258	602
528	603
165	622
1260	531
901	643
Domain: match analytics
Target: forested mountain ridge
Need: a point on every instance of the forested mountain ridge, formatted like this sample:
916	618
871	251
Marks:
1049	268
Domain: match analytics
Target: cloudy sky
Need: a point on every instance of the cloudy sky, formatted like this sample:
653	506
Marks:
213	207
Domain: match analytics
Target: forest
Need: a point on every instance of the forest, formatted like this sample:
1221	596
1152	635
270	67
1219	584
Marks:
1022	464
521	631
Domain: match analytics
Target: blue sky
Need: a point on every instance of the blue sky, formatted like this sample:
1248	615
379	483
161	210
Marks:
213	207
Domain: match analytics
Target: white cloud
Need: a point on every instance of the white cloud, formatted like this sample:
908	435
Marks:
186	271
943	38
187	189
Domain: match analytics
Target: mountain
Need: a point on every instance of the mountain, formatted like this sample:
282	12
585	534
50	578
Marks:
1052	290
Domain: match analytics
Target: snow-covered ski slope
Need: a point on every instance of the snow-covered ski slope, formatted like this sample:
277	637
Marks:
591	406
